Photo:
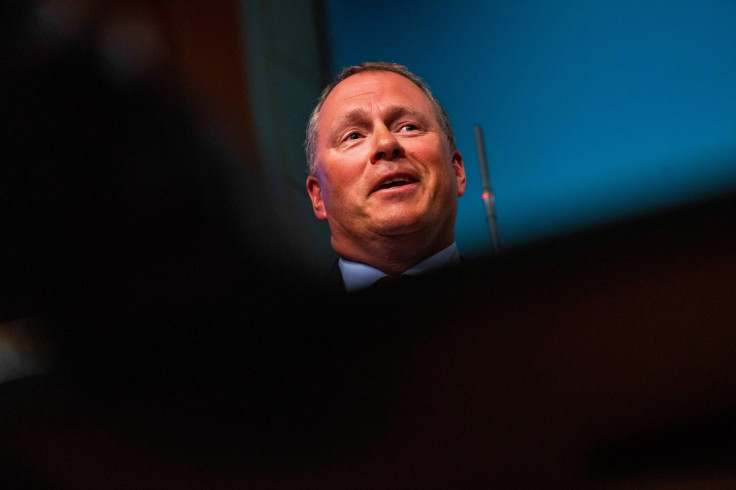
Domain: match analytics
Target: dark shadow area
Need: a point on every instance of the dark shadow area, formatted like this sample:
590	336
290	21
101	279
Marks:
705	444
191	355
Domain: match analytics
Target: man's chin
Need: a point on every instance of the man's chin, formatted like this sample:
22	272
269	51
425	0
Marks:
399	225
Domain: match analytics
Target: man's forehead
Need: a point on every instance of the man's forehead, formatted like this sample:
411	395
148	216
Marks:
363	89
369	84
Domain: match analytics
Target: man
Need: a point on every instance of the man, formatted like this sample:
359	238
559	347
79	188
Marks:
385	173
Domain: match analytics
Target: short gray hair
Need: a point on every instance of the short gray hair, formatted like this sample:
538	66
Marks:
310	143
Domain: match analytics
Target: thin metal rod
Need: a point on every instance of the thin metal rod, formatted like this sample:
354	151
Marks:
489	199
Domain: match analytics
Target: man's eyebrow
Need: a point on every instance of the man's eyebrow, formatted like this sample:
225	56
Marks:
397	111
357	116
352	117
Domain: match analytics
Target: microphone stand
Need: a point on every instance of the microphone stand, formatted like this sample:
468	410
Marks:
489	199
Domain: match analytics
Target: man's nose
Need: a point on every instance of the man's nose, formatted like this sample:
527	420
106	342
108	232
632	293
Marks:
385	144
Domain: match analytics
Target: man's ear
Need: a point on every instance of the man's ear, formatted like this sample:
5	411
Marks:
315	194
459	169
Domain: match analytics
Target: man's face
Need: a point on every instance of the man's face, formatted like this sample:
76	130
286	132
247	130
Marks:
384	166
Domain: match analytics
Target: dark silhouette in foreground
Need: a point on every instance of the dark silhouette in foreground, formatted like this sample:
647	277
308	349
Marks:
187	359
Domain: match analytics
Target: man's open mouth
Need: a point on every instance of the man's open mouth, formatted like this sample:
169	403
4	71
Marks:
394	182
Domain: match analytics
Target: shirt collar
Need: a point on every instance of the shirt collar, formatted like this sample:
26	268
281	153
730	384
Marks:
359	276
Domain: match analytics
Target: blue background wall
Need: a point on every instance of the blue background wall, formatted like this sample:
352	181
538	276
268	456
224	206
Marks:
592	110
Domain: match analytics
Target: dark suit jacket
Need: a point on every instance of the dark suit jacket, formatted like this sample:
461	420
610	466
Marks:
332	282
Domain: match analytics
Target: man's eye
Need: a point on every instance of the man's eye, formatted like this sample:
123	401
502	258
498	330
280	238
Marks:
353	136
409	127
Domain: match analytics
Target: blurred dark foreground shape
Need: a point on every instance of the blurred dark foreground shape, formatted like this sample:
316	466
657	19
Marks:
190	355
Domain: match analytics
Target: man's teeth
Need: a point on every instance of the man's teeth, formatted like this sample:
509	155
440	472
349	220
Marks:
394	183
